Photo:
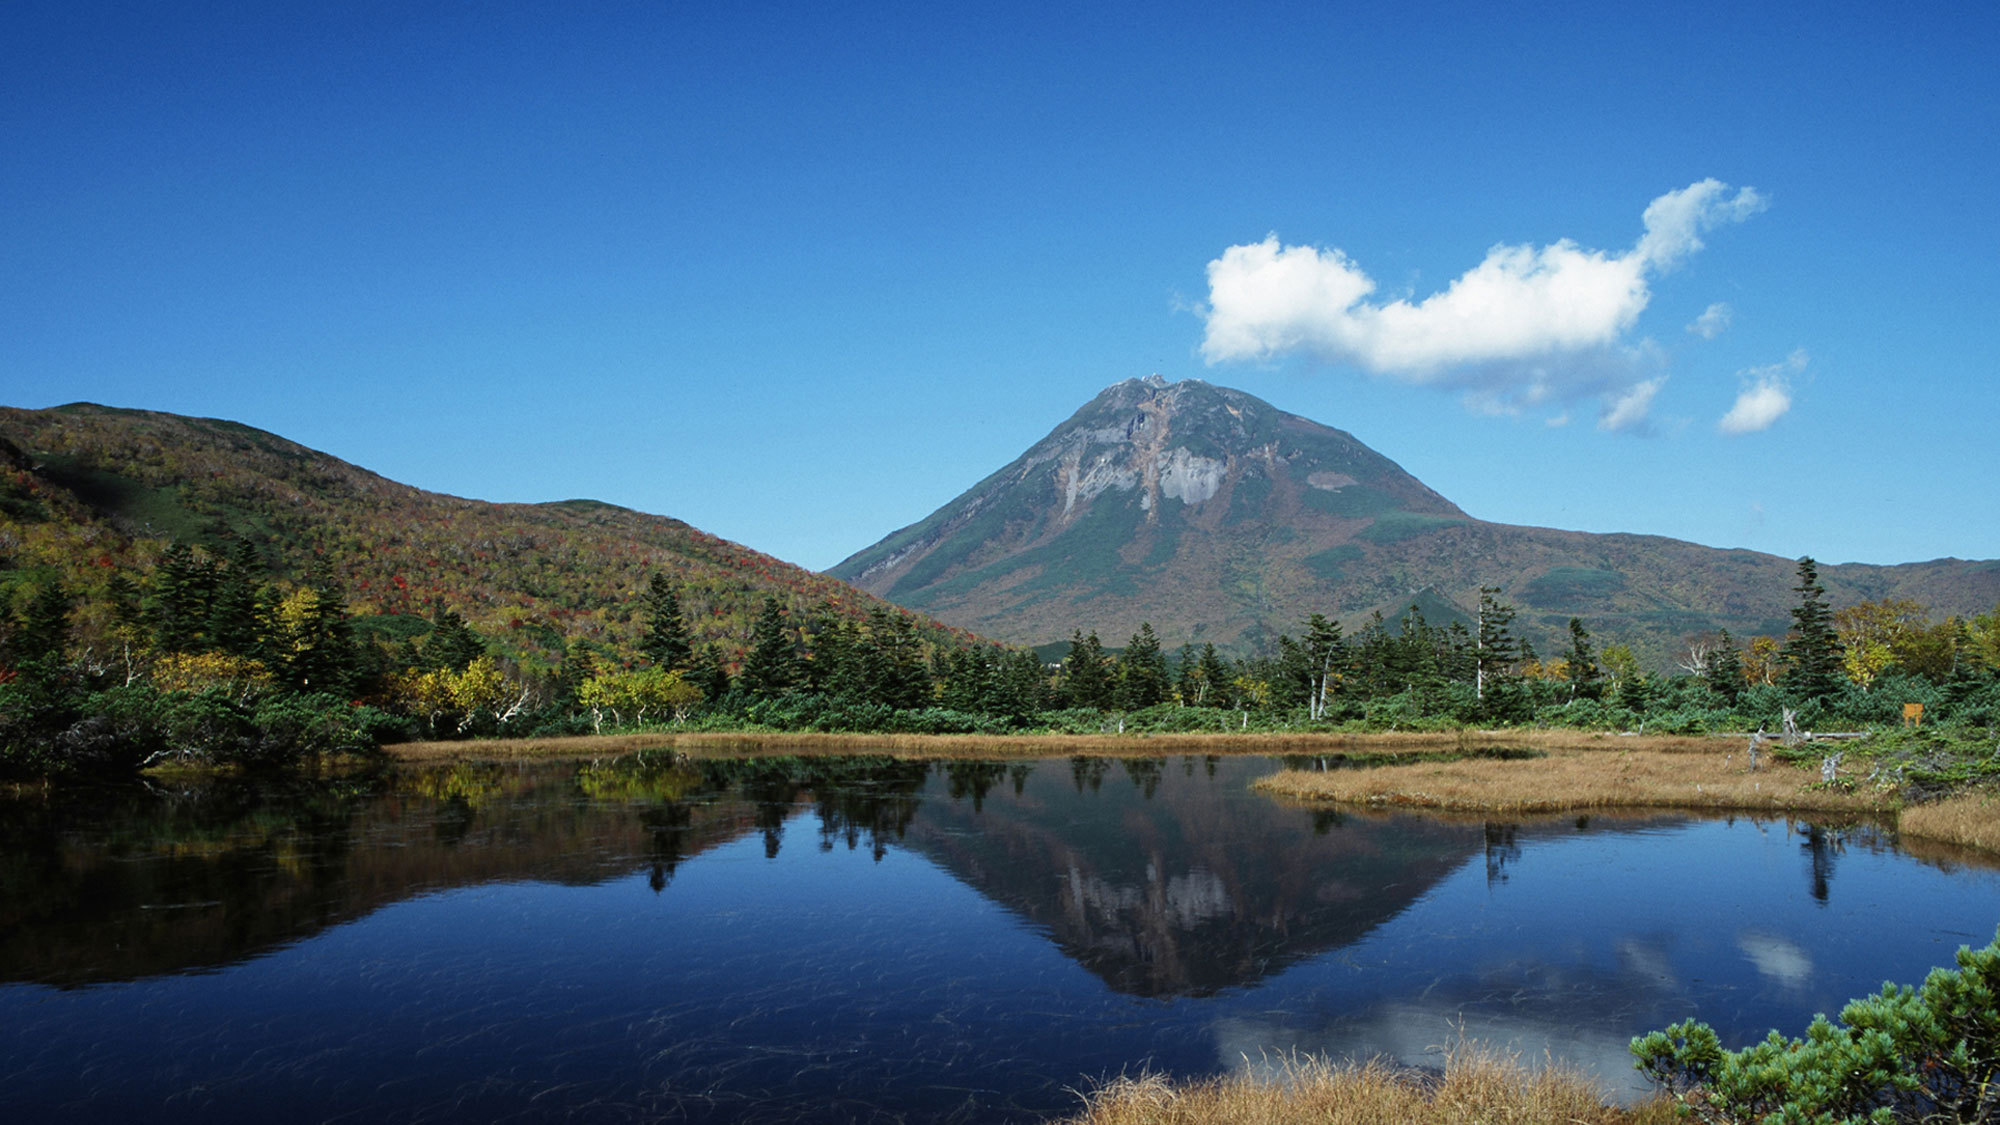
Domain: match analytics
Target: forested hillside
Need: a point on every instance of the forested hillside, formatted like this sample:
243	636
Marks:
90	492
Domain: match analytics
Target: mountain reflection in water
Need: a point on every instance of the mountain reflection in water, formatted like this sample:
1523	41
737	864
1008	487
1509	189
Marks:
869	938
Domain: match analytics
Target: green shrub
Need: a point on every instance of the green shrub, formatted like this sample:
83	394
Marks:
1905	1055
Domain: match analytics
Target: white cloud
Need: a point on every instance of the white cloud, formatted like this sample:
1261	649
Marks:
1713	321
1627	411
1776	958
1526	325
1765	398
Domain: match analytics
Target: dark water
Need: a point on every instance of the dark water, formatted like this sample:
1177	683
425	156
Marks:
870	940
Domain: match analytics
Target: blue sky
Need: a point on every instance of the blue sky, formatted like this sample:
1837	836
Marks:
799	274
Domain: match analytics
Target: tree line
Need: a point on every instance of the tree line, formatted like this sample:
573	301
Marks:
210	658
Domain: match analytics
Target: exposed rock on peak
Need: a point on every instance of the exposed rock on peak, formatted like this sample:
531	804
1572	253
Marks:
1217	517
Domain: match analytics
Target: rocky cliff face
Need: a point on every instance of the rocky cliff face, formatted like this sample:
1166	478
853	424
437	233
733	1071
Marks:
1217	517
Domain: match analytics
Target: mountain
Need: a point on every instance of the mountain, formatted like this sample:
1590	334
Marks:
88	491
1218	518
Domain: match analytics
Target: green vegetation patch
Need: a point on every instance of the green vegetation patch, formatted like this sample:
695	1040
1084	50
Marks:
390	626
1356	501
1571	586
1396	526
1248	499
1330	565
961	545
160	511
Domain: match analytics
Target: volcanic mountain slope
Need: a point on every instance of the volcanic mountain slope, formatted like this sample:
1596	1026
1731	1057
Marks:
89	491
1219	518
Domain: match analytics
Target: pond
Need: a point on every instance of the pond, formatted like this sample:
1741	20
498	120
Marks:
867	939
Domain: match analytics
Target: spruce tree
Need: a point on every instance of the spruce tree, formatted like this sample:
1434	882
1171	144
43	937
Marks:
233	617
1187	676
709	673
893	658
178	610
1086	680
1494	649
1725	675
1142	671
41	635
1323	652
666	642
1215	678
1583	670
1813	649
452	645
771	667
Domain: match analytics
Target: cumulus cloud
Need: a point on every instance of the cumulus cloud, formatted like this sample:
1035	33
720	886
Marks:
1527	324
1778	959
1626	412
1712	322
1765	397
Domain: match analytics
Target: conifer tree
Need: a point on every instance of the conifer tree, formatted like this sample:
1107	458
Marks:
233	617
1494	649
1187	676
1813	649
1142	671
771	667
178	610
1583	670
452	645
1086	680
893	657
41	635
666	642
709	673
1324	651
1214	678
1726	674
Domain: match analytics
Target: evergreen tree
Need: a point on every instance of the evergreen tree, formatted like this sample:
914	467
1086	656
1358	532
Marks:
319	653
1813	649
234	618
1495	649
1725	675
1187	676
1323	652
183	586
452	645
41	635
709	673
1142	671
838	667
894	661
666	642
1086	679
772	665
1215	678
1584	673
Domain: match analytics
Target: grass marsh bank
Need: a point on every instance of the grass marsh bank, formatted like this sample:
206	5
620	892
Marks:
1477	1085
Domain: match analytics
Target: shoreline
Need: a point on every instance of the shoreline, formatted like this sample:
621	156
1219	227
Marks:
1575	771
1038	745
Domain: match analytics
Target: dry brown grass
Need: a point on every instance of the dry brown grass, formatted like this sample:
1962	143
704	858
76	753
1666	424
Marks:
1970	819
1478	1086
1021	746
1622	774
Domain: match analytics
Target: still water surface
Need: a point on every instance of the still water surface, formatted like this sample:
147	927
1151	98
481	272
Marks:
872	940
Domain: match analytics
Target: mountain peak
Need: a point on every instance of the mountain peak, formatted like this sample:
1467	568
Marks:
1149	480
1217	517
